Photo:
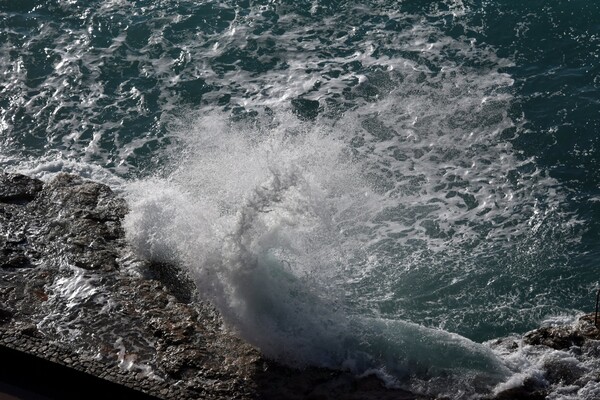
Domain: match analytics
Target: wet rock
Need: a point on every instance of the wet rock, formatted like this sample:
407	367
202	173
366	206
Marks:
12	253
27	329
17	188
13	259
90	303
563	371
175	280
530	389
5	315
83	218
558	338
71	197
564	363
587	328
172	332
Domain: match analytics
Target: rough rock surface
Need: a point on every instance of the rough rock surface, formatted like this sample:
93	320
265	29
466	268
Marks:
566	352
72	292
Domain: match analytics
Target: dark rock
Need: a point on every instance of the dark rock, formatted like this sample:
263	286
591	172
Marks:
529	390
10	259
79	199
29	330
84	217
12	254
5	316
174	279
558	338
17	188
587	328
576	343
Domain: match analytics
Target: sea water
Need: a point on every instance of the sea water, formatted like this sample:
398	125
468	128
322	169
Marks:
377	186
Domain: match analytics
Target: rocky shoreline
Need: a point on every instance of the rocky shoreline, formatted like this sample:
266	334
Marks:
73	293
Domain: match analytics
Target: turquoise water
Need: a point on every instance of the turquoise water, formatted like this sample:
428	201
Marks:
427	166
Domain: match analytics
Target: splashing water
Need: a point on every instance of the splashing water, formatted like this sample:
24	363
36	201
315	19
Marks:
360	239
280	227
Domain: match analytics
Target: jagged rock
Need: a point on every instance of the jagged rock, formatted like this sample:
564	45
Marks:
558	338
521	394
28	330
563	364
85	217
174	279
587	328
12	258
17	188
5	315
74	198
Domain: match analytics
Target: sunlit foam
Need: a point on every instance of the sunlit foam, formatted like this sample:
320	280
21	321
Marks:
273	223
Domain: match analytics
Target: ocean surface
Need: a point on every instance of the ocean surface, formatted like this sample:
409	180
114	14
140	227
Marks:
379	186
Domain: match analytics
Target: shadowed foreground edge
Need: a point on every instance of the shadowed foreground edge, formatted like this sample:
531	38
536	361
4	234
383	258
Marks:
24	376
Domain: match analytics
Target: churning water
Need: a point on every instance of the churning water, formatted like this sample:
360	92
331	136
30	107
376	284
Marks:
376	186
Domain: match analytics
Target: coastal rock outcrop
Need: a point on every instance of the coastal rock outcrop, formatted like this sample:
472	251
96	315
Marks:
562	357
72	292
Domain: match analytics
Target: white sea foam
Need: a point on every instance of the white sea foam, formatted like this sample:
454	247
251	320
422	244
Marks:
573	370
269	227
278	236
47	167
